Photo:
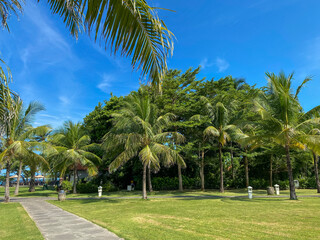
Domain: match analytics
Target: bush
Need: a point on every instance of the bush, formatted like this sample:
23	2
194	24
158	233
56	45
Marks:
283	185
308	182
167	183
109	187
87	187
259	183
66	186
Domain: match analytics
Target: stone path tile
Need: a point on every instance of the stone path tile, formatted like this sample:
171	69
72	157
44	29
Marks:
57	224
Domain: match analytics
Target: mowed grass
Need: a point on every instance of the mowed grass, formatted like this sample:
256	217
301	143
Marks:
15	223
189	218
23	192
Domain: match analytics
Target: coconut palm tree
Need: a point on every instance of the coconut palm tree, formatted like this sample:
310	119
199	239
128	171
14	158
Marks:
72	149
138	131
220	130
283	121
129	27
16	131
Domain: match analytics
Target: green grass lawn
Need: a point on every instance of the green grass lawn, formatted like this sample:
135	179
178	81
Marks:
15	223
236	192
188	218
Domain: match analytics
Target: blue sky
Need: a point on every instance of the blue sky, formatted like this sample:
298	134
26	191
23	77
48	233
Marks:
239	38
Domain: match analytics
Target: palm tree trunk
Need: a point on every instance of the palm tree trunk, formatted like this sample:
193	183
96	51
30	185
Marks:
246	166
180	178
75	178
271	170
293	195
232	162
316	172
202	170
32	179
221	169
16	192
144	181
149	179
7	189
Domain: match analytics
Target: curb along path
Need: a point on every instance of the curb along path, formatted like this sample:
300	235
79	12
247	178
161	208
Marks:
56	224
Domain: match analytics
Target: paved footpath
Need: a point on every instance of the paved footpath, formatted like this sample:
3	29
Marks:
57	224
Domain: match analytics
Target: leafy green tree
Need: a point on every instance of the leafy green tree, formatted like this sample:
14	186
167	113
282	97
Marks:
138	131
179	97
99	121
72	149
282	119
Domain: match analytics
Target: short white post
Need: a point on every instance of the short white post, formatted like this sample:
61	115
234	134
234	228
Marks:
276	187
250	192
99	191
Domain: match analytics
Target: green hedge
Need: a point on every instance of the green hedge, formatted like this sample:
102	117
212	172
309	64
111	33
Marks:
91	187
167	183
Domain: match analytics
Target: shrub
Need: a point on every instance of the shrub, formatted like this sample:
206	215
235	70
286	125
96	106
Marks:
283	185
259	183
308	182
167	183
109	187
87	187
66	186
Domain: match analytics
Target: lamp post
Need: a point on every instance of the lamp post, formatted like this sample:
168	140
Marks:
99	191
250	192
276	187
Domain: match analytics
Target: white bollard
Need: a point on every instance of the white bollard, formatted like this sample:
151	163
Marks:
250	192
99	191
276	187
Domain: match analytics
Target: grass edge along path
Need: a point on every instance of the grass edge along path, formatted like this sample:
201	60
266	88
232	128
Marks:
15	223
190	219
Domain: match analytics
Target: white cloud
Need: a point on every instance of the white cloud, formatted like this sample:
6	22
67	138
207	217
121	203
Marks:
105	84
64	100
222	64
205	63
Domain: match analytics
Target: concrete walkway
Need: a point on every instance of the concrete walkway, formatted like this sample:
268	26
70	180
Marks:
57	224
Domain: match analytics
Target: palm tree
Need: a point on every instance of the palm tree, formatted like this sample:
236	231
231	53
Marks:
72	149
137	131
8	7
16	131
220	130
283	121
130	27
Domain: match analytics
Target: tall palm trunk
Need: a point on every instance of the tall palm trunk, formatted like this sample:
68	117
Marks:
7	189
16	192
221	169
149	179
202	170
232	162
293	195
316	171
270	170
75	179
246	166
32	179
180	178
144	181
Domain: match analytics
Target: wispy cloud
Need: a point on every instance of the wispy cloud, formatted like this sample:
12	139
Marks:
222	64
105	84
205	63
64	100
